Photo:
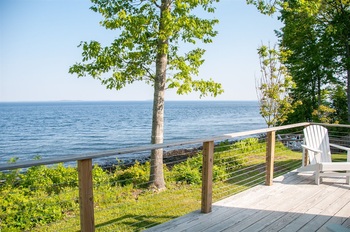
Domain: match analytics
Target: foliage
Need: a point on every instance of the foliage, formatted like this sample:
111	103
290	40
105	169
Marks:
223	146
265	6
323	113
99	175
316	34
227	157
52	180
189	171
274	86
247	145
33	198
137	175
133	54
23	210
338	101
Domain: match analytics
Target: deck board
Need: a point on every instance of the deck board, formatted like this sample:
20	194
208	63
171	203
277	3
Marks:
293	203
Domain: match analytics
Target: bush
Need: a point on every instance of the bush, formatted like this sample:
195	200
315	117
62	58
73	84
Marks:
219	172
27	200
51	180
223	146
138	175
99	176
247	145
22	211
189	171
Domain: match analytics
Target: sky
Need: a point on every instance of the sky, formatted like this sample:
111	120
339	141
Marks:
39	39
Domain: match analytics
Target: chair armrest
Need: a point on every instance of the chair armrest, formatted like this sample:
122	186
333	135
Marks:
311	149
340	147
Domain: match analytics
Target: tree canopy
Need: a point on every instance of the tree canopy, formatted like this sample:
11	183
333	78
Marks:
141	25
316	33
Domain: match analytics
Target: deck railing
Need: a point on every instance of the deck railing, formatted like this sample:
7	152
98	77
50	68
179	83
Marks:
208	188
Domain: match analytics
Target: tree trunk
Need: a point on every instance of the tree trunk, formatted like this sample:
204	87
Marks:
156	175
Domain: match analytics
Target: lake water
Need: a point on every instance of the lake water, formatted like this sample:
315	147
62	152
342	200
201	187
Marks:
62	128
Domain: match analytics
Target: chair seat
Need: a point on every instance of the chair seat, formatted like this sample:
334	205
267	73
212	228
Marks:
334	166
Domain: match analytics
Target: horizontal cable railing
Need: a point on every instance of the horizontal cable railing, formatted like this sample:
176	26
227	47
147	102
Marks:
53	195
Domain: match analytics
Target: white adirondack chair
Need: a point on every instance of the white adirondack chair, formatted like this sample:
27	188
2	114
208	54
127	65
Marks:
316	143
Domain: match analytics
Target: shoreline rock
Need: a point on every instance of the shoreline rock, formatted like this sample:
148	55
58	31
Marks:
170	158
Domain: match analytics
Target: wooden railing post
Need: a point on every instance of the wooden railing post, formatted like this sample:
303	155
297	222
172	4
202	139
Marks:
305	158
348	160
207	176
86	200
270	157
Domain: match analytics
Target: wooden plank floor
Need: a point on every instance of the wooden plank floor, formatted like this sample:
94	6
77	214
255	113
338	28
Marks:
293	203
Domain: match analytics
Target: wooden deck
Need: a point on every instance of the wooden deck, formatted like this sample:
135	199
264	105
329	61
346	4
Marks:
293	203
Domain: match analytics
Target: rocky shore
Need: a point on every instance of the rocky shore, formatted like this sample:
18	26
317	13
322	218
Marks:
170	158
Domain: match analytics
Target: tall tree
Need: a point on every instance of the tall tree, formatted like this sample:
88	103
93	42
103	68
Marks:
273	87
335	16
147	48
300	36
317	33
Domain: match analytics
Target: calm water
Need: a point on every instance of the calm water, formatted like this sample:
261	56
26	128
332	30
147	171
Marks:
63	128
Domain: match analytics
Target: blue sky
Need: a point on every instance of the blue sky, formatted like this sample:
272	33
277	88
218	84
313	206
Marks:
39	38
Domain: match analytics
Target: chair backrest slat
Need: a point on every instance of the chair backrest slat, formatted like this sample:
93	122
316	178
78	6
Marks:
317	137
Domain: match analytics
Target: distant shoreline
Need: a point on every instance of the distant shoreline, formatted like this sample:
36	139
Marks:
116	101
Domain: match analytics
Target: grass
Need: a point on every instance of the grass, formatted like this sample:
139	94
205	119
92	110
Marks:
341	157
146	210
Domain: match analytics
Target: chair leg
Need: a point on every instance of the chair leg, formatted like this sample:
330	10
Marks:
317	179
317	175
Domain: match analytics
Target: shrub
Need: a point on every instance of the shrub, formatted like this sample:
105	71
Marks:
189	171
138	175
99	176
10	179
187	174
223	146
27	200
219	172
23	211
247	145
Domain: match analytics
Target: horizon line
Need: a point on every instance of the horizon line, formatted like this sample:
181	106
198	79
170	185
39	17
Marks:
148	100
